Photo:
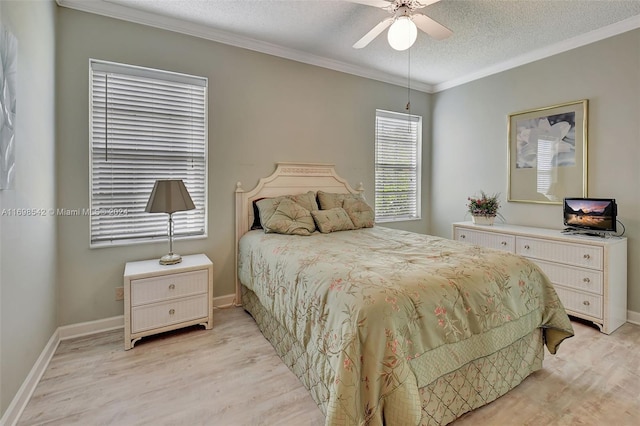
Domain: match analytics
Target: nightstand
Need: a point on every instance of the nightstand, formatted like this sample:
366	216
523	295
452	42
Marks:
159	298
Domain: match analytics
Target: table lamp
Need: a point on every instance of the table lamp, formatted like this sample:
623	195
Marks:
169	196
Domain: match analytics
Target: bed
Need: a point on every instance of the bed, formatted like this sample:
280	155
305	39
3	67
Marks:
385	326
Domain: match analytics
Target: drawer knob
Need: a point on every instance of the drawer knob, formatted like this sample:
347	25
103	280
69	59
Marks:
172	287
586	303
463	236
586	280
172	311
586	256
526	247
504	243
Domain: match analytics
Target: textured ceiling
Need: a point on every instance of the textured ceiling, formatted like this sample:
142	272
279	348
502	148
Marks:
488	35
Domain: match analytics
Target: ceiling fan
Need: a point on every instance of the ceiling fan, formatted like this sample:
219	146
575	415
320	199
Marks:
403	31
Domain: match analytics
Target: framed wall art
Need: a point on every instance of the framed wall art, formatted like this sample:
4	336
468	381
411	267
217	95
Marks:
8	75
548	153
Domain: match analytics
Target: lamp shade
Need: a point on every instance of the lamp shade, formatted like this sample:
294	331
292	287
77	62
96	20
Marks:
402	33
169	196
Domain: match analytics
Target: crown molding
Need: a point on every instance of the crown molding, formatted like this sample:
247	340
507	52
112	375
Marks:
112	10
628	24
117	11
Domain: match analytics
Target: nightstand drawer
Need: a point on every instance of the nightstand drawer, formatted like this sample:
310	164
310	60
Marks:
157	289
173	312
554	251
570	276
584	303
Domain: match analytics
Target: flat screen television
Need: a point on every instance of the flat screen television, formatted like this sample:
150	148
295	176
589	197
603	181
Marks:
590	214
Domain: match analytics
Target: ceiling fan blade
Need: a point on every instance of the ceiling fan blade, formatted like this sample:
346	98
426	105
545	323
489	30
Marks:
375	3
386	3
424	3
431	27
375	32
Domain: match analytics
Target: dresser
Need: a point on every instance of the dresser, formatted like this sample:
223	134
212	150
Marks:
159	298
588	273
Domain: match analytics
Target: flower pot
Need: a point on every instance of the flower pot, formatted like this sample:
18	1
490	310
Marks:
483	220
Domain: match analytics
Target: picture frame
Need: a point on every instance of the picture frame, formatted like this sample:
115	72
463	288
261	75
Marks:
8	83
548	153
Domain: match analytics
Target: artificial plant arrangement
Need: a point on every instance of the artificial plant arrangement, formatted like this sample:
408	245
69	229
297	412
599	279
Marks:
485	208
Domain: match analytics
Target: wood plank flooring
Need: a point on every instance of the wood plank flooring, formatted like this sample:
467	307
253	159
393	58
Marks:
231	376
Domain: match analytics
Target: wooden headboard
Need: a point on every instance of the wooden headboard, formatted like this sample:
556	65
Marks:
287	179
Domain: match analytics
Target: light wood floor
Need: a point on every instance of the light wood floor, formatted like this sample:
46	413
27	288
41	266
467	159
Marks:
231	376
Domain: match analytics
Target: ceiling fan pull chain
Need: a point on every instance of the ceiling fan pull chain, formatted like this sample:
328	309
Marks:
408	107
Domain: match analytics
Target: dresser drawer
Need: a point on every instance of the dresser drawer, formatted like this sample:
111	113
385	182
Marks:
159	315
571	254
486	239
584	303
570	276
156	289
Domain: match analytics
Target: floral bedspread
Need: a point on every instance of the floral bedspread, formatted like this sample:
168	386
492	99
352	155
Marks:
392	311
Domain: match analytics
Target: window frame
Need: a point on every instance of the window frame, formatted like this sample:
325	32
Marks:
165	76
400	118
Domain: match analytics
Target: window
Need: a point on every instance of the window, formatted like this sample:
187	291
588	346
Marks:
398	154
145	124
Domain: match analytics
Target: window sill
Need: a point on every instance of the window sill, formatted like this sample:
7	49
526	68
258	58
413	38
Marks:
399	219
164	240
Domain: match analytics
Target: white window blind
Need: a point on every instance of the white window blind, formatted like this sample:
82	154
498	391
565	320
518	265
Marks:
145	125
397	168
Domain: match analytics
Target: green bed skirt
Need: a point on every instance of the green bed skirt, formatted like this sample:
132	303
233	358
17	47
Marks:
451	395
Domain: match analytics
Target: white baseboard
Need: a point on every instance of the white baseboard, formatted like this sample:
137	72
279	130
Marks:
224	301
90	327
20	400
22	397
633	317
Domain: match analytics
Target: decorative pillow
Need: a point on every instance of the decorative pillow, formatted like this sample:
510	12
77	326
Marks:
306	200
330	200
268	206
332	220
288	217
360	213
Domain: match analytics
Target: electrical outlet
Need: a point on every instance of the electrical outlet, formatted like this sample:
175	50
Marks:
119	293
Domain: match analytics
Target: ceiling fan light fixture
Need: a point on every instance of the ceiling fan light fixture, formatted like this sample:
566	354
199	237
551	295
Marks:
402	33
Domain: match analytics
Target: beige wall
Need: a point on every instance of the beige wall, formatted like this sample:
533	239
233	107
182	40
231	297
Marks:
469	131
27	244
262	109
